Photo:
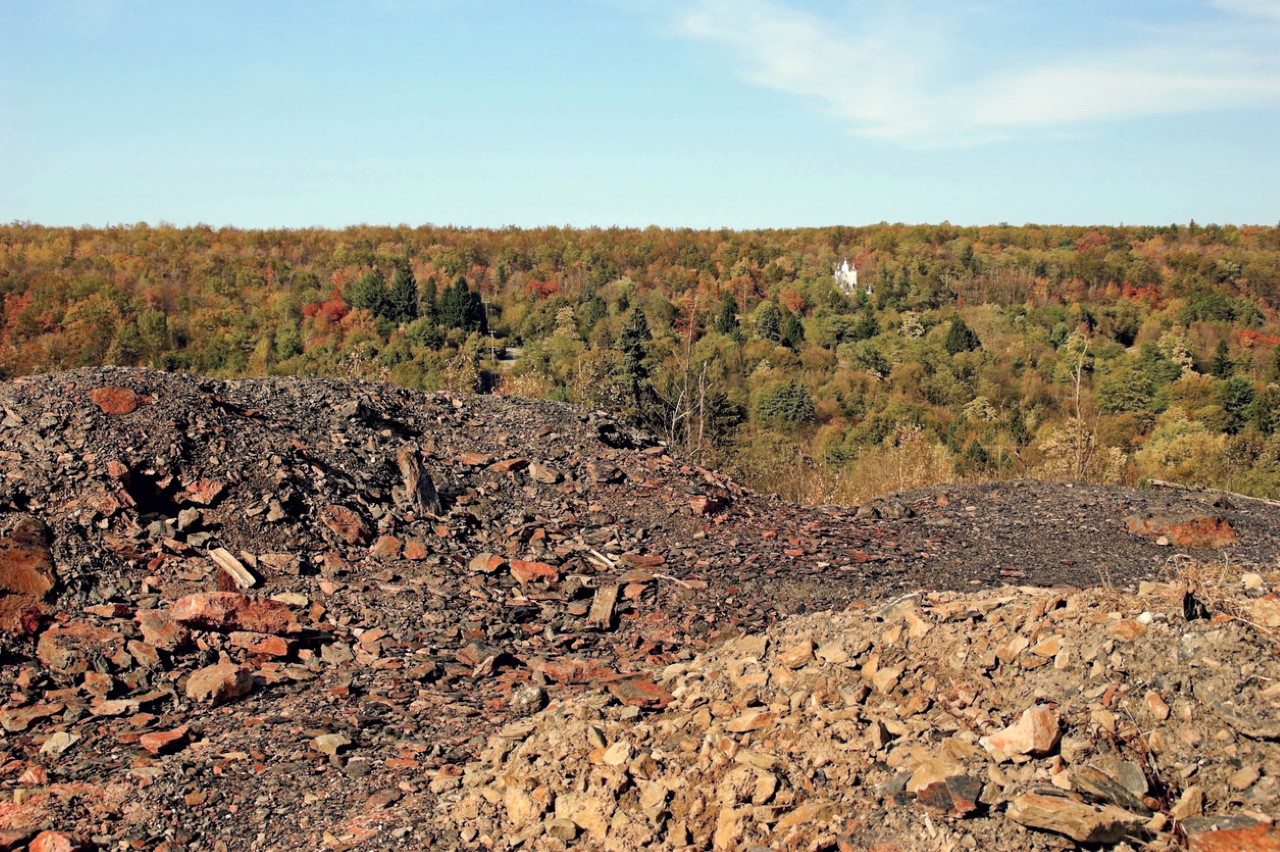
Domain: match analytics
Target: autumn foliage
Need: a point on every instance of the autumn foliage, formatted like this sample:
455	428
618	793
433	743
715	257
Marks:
1109	354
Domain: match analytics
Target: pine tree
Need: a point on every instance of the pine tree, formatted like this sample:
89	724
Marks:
369	293
961	338
1222	366
402	298
1236	397
473	313
784	405
727	318
430	307
634	344
769	322
792	331
453	305
1264	413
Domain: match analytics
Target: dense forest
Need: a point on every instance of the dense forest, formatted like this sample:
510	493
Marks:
1100	354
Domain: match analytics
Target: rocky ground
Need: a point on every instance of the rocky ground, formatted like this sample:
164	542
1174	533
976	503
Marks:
1009	719
297	613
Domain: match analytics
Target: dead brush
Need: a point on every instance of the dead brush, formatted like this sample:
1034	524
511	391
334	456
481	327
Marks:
1215	586
1106	594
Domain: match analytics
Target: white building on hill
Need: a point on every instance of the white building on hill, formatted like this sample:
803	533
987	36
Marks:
847	278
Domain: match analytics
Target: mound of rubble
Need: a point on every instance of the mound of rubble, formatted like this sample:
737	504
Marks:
1012	719
276	613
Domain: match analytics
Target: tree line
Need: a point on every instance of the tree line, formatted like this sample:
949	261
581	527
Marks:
1105	354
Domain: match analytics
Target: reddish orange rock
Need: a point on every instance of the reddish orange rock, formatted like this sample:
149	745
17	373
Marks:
230	611
161	631
26	566
956	795
528	572
12	839
20	615
576	671
1230	834
203	492
704	505
387	547
639	692
58	841
262	643
345	524
415	549
159	742
219	683
115	401
486	563
67	648
1202	532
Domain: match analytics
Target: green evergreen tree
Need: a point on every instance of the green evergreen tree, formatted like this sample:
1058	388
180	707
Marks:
784	405
1264	414
153	325
769	322
865	327
369	293
634	345
975	458
727	316
288	341
127	347
1126	388
961	338
792	331
589	313
401	304
1236	396
1222	366
429	308
453	304
474	316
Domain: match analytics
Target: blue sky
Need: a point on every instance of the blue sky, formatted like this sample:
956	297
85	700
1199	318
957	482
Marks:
706	113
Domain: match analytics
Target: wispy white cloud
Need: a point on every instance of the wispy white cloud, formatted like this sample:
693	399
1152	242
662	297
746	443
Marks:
1260	8
920	75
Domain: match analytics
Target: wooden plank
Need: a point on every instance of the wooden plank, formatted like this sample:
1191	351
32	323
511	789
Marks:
602	606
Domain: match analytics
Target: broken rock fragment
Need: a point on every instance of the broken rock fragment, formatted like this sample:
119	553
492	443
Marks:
161	742
58	841
1231	834
640	692
530	572
231	611
1035	733
417	489
1082	823
956	795
71	648
26	566
115	401
1185	530
345	524
219	683
161	631
331	743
